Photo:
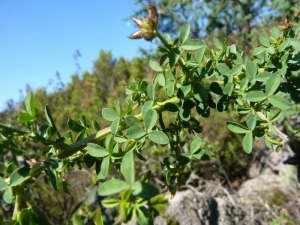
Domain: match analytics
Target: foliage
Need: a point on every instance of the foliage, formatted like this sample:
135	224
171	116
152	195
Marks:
240	22
192	77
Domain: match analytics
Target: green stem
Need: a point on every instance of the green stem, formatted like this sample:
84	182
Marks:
17	203
96	137
13	130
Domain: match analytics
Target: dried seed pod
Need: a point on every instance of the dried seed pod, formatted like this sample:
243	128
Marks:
147	27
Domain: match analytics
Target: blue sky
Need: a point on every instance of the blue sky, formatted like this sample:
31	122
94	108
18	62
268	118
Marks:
39	38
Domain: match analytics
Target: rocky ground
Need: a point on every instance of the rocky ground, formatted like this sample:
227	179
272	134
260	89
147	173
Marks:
271	196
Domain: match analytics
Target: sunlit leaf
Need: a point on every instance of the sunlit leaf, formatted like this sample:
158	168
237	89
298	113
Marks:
155	66
248	142
255	96
135	132
109	114
237	128
19	176
111	187
30	104
96	150
280	102
128	167
159	137
272	83
193	44
150	119
184	33
8	195
74	126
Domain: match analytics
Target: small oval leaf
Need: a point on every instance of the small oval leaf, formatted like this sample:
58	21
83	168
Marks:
159	137
111	187
96	150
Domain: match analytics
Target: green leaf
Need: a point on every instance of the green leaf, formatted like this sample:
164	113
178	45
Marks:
217	43
200	92
237	128
263	76
115	125
81	135
111	187
97	217
33	217
68	138
251	69
8	195
272	83
275	116
271	49
29	104
264	40
255	96
25	117
244	83
132	121
74	126
3	184
222	104
248	142
144	190
228	88
109	114
236	69
49	117
105	168
204	154
283	45
11	167
52	173
275	32
150	119
25	217
170	88
143	216
280	102
96	125
183	159
217	88
195	145
184	33
171	107
19	176
159	137
224	69
259	50
96	150
174	56
128	167
147	105
184	90
159	79
151	91
200	54
16	150
110	203
82	120
192	44
251	122
76	220
135	132
155	66
50	132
